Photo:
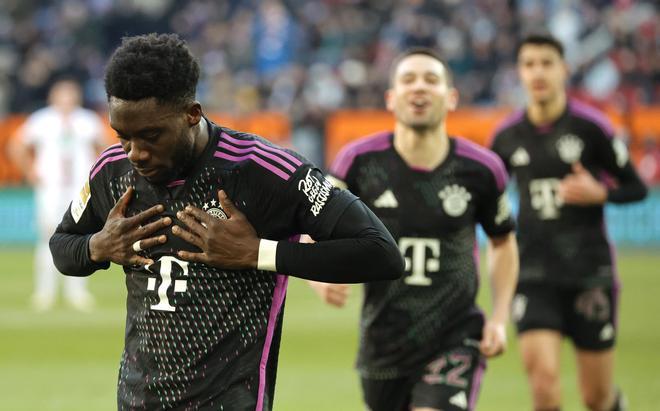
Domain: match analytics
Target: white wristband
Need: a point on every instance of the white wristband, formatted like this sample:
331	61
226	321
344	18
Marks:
267	259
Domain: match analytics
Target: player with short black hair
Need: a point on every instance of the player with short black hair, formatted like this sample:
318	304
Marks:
199	216
423	340
562	154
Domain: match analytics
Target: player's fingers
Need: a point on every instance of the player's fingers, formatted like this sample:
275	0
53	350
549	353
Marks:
339	290
188	236
119	209
146	243
151	228
145	215
228	205
140	261
192	223
306	239
337	301
578	168
193	257
198	214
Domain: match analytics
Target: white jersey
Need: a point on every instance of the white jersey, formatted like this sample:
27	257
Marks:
64	152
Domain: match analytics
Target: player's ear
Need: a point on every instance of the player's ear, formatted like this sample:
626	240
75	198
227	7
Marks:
389	99
194	113
452	98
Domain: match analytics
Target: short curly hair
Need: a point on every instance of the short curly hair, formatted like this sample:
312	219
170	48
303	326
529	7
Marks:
152	65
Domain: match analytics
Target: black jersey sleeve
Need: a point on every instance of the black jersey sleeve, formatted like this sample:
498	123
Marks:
352	244
612	154
494	210
498	145
494	214
69	245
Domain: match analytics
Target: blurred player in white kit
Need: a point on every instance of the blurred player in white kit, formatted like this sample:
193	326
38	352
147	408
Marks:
55	149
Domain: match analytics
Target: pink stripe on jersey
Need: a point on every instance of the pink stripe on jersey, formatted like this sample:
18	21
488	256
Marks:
476	384
255	149
105	161
589	113
110	150
265	164
275	308
346	157
176	183
266	147
484	156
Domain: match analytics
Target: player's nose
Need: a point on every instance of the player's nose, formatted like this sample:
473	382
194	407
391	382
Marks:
137	155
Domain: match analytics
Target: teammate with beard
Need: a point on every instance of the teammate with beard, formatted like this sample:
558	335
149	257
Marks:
559	150
423	340
199	215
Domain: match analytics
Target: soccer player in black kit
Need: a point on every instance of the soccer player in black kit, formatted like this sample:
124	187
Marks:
423	340
199	217
561	153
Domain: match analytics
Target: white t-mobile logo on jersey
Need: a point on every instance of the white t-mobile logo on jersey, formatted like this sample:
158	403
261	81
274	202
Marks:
545	197
418	263
180	286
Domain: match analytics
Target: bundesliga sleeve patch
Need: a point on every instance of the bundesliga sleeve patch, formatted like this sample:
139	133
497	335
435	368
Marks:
79	203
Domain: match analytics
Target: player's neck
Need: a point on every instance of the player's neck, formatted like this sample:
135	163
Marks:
426	149
201	137
541	114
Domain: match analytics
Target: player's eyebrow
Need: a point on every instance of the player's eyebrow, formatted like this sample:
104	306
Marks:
139	132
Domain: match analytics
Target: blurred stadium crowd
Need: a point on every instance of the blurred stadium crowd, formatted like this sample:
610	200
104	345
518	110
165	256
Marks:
309	58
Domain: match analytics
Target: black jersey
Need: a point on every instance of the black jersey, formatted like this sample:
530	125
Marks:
563	243
199	337
432	214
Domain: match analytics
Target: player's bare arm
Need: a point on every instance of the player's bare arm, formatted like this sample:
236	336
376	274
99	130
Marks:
225	243
503	272
122	238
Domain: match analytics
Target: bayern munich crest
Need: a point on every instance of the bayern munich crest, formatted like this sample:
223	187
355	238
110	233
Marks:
455	199
214	210
570	148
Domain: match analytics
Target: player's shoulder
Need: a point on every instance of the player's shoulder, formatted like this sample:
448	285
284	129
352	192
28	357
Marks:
510	123
590	118
245	152
113	161
361	147
483	158
43	114
82	113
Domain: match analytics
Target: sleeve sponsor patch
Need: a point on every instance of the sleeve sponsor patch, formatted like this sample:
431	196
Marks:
503	209
317	191
79	203
620	151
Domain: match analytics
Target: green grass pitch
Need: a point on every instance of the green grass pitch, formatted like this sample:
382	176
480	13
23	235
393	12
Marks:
65	360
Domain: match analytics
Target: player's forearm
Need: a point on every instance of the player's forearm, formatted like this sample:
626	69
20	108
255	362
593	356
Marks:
353	260
359	249
630	188
71	254
503	271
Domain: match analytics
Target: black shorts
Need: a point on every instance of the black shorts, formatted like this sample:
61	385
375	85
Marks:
586	315
450	382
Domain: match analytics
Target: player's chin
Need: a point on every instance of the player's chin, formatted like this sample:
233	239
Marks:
155	177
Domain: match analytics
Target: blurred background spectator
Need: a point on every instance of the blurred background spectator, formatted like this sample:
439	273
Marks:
309	58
